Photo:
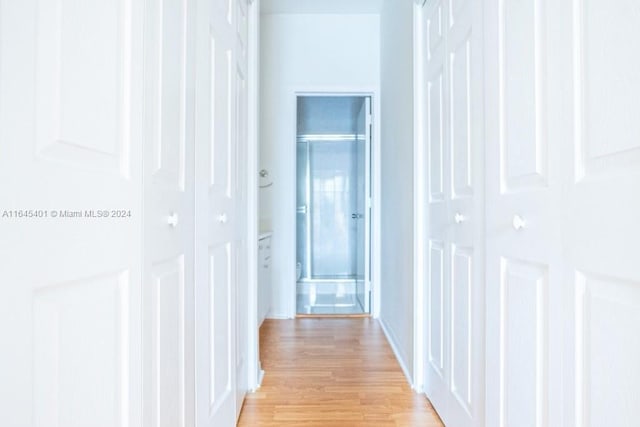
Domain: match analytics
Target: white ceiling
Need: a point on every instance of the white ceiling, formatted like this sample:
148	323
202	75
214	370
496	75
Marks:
321	6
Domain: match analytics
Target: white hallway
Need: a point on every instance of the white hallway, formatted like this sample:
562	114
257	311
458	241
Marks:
505	170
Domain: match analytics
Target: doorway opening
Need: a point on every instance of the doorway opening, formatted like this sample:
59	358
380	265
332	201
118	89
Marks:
333	200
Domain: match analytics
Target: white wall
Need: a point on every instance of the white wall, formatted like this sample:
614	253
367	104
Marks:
396	71
298	53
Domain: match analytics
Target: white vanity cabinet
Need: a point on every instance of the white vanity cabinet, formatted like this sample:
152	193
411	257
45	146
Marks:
264	276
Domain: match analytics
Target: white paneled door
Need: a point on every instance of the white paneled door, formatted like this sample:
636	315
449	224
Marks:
168	292
563	174
454	292
123	134
524	234
241	95
221	140
602	210
71	127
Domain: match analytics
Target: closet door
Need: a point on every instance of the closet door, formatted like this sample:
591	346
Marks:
220	205
466	148
71	143
524	231
241	95
455	286
600	44
169	214
563	170
438	212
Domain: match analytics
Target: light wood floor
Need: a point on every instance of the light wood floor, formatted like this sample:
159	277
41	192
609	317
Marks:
332	373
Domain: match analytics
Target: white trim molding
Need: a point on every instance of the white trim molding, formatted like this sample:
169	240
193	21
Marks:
419	191
391	339
255	373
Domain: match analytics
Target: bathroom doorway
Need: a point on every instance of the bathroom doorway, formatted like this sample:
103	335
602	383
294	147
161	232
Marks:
333	264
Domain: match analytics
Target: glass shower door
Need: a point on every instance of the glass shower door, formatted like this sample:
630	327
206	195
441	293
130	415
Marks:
330	228
327	209
333	176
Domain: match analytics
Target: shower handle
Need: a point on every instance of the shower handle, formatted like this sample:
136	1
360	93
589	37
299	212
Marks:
357	216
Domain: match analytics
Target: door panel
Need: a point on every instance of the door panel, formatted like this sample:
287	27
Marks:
462	312
524	143
523	320
607	315
67	129
455	287
520	80
220	326
602	212
435	138
523	195
167	329
169	213
221	285
606	140
460	81
434	27
606	76
435	313
77	326
170	94
70	134
438	310
221	142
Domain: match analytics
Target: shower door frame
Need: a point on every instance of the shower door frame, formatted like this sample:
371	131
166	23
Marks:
372	217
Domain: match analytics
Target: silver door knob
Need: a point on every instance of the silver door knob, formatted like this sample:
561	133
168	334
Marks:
459	218
172	219
222	218
518	222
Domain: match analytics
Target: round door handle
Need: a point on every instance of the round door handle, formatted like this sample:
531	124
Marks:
459	218
172	219
222	218
518	222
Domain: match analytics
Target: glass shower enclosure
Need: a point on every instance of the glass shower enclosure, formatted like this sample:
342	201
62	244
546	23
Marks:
333	213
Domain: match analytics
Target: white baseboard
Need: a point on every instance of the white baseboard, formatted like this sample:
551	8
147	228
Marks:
393	342
277	316
260	378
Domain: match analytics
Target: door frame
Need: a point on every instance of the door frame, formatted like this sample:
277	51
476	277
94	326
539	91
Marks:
419	198
255	373
374	238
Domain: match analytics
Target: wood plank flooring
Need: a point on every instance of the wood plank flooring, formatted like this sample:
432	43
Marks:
332	372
